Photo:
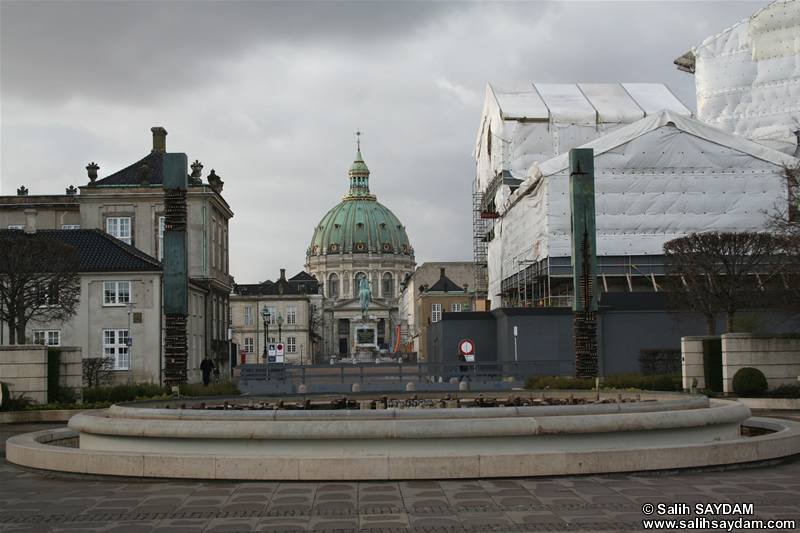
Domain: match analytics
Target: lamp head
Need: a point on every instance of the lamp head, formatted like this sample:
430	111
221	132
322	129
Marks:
265	313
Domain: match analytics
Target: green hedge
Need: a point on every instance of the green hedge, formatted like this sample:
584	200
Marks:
615	381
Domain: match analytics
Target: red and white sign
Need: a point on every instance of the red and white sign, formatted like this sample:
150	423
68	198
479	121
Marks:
279	348
466	347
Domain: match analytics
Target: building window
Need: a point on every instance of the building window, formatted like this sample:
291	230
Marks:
291	343
248	316
387	285
50	337
333	286
456	308
291	314
114	347
46	295
248	345
214	319
162	220
214	242
225	251
119	227
70	226
116	292
230	316
436	312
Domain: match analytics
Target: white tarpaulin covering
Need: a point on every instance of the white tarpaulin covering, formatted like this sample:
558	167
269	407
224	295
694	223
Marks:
526	123
748	77
662	177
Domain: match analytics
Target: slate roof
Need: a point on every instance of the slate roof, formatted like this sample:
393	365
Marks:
252	289
130	174
445	284
99	251
282	286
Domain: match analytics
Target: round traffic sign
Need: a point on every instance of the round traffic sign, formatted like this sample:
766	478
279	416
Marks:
466	347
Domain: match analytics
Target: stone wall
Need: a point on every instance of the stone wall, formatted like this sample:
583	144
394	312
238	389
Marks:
24	369
776	355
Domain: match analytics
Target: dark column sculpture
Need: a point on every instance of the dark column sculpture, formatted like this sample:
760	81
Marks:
176	269
584	260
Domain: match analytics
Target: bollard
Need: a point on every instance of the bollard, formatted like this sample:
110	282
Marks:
356	387
464	385
410	386
365	406
301	389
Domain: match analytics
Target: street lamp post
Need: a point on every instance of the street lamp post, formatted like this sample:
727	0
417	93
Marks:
129	341
280	323
265	314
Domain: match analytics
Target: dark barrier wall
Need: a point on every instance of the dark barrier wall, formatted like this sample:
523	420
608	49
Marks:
627	323
477	326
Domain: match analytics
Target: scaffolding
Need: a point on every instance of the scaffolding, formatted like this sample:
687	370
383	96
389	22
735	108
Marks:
480	243
548	282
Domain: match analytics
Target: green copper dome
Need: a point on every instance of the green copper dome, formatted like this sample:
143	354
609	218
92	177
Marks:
360	224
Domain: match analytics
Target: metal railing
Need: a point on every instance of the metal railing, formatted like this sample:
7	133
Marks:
349	373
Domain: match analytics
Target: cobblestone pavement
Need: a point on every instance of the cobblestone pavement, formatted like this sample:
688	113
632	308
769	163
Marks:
32	502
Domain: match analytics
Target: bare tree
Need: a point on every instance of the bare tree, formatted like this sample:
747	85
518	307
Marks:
39	281
97	370
714	273
784	220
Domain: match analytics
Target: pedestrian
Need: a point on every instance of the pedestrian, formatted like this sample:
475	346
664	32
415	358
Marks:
216	376
463	369
206	366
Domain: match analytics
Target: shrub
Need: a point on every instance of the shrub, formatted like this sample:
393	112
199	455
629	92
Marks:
749	382
616	381
785	391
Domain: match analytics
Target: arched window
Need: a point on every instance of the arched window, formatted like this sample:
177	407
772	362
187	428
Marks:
387	285
333	286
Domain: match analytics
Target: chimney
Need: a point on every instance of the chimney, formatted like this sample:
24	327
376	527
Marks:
441	272
283	273
30	221
159	139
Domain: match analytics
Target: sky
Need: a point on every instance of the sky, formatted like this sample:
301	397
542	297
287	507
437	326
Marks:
270	95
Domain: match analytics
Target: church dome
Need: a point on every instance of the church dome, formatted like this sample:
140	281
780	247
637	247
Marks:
359	224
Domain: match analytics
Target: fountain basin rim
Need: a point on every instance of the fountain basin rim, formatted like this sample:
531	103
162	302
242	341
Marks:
719	413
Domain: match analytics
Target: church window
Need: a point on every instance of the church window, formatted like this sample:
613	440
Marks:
383	225
360	225
360	247
334	247
333	286
387	285
336	226
387	247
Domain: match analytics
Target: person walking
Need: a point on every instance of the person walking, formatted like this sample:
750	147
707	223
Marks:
206	367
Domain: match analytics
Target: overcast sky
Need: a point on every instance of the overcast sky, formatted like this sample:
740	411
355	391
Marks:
270	94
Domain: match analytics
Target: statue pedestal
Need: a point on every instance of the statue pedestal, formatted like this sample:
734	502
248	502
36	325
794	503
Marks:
365	333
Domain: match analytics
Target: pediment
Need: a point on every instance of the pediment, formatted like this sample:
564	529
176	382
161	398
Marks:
354	304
